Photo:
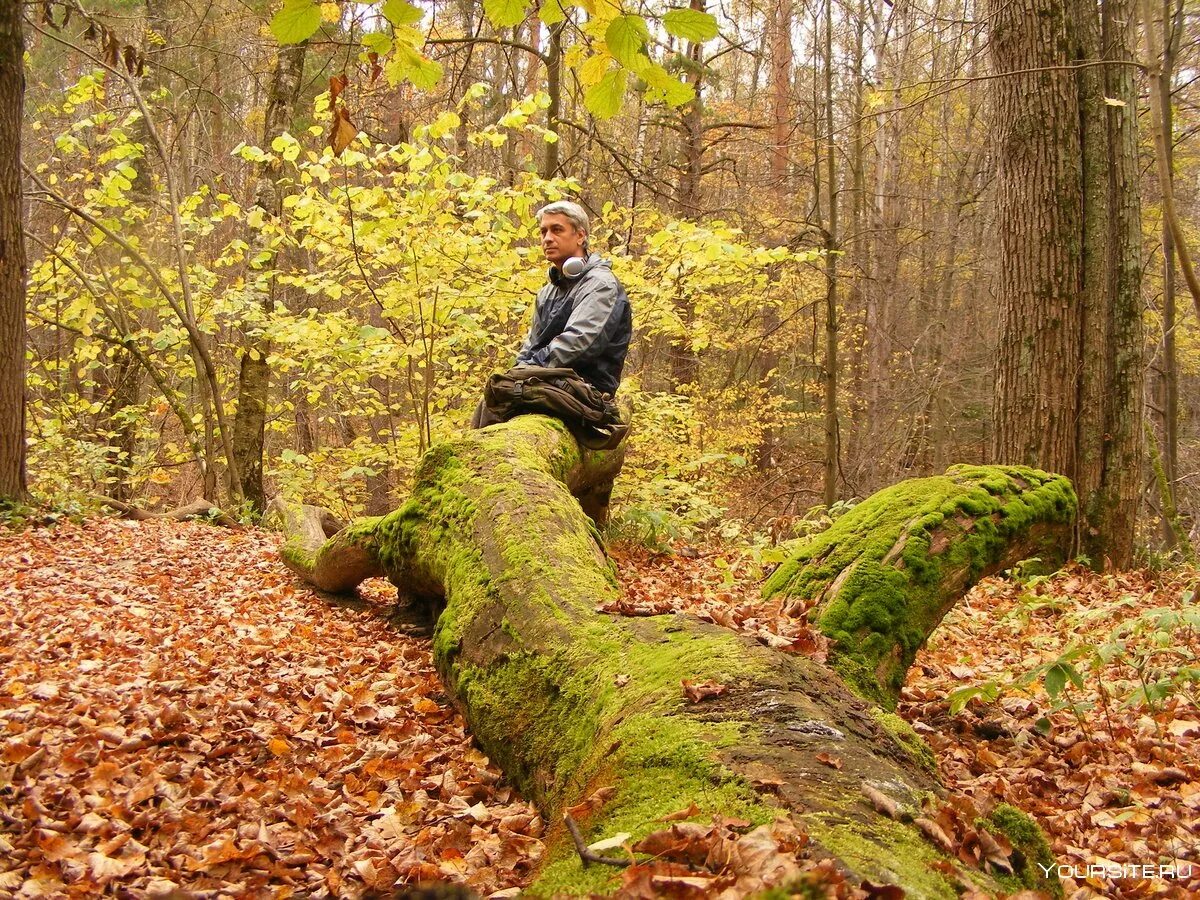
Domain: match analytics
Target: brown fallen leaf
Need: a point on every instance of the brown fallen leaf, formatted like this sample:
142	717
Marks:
883	803
597	799
686	842
996	850
697	692
682	814
832	761
936	834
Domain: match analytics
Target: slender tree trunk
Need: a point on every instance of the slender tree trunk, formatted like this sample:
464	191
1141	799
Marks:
1168	394
12	256
831	276
1096	286
554	56
858	240
781	89
255	375
1121	482
685	362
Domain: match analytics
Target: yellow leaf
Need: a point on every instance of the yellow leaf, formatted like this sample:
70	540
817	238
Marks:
278	746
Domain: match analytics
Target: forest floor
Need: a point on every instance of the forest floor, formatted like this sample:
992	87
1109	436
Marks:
178	711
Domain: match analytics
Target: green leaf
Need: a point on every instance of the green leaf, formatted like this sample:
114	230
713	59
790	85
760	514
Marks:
551	12
401	12
626	35
604	99
504	13
1056	680
296	22
378	42
406	64
960	698
691	25
674	91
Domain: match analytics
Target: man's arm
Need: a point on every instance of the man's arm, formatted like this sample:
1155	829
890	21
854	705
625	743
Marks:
589	329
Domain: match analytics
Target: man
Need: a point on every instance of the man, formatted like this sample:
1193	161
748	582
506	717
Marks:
581	323
581	318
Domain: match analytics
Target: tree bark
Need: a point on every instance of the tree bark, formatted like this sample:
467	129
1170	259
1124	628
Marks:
1039	210
12	256
254	378
832	252
1114	519
568	699
1070	365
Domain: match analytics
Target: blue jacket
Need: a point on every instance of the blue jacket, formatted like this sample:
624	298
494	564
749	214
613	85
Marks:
582	323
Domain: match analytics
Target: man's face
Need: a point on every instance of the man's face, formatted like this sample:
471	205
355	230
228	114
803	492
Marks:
561	239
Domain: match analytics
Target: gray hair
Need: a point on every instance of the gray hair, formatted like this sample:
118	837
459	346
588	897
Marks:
573	211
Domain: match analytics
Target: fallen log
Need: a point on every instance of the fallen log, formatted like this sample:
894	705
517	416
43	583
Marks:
197	509
574	703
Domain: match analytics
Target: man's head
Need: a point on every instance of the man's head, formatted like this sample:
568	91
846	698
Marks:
564	227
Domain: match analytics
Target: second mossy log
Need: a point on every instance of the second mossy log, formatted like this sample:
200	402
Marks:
880	580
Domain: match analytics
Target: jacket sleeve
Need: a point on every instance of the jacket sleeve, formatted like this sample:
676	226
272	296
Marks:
525	354
587	333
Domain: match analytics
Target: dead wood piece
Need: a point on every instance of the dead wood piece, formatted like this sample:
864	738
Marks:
197	509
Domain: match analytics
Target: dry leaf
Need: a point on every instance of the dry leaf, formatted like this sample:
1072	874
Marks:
680	815
832	761
703	691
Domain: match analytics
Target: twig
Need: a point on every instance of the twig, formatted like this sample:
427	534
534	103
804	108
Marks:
587	855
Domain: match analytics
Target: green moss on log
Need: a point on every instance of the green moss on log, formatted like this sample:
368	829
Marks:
885	574
886	852
1032	857
568	700
907	738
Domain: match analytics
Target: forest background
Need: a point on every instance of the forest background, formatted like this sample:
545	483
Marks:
253	249
279	249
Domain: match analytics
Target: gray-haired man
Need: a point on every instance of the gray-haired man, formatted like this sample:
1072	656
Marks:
581	318
581	322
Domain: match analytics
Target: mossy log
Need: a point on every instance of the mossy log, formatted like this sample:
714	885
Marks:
568	699
881	579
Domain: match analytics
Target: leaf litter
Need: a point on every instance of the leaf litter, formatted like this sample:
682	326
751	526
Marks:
176	710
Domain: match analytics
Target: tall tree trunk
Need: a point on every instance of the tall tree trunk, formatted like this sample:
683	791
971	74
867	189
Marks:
781	94
1039	209
12	256
685	362
831	277
858	240
1096	285
554	63
1168	385
255	375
